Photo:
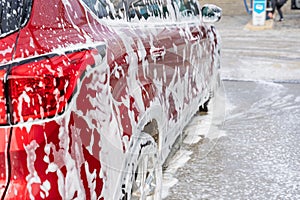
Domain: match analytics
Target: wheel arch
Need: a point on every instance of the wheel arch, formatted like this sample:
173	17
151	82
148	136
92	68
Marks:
153	122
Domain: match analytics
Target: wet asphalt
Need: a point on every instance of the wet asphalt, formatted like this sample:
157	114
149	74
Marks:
257	153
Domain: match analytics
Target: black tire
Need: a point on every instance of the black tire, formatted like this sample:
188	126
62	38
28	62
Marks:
204	107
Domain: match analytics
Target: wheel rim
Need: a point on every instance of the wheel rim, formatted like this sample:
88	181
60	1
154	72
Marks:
145	179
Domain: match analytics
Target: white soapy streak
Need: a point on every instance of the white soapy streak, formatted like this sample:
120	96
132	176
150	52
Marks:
91	179
45	187
69	186
23	98
32	177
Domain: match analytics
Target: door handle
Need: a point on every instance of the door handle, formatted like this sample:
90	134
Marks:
157	52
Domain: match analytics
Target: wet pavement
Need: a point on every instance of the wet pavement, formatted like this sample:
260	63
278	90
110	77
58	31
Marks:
260	55
259	155
254	152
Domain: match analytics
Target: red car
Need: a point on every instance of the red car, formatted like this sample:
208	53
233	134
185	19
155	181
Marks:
94	93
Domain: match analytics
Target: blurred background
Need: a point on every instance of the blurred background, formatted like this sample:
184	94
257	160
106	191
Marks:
237	7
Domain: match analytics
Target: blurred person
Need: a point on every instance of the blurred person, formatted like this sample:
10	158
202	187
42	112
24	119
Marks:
277	4
269	13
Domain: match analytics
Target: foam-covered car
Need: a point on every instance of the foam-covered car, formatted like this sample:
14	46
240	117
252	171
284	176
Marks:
93	93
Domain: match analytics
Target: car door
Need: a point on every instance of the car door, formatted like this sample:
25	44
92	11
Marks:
156	22
175	59
187	46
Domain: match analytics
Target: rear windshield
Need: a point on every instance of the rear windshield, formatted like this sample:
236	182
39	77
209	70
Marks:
14	14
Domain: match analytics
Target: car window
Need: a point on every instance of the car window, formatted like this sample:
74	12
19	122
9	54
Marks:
98	7
186	8
143	9
114	9
128	9
135	10
14	14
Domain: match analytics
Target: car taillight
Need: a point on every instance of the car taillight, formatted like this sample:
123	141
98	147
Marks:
42	87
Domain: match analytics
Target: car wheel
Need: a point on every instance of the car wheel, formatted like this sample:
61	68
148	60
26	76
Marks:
204	108
143	177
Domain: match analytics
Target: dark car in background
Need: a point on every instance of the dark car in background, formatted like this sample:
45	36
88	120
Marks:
94	93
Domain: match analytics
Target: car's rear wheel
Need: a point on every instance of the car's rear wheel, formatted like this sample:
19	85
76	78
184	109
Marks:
145	180
143	177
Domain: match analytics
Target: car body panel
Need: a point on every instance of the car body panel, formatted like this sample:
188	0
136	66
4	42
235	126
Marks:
116	77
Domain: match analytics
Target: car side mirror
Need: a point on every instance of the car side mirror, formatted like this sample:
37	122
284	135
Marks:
211	13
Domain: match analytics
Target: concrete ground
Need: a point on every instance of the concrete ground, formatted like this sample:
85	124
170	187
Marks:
260	54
